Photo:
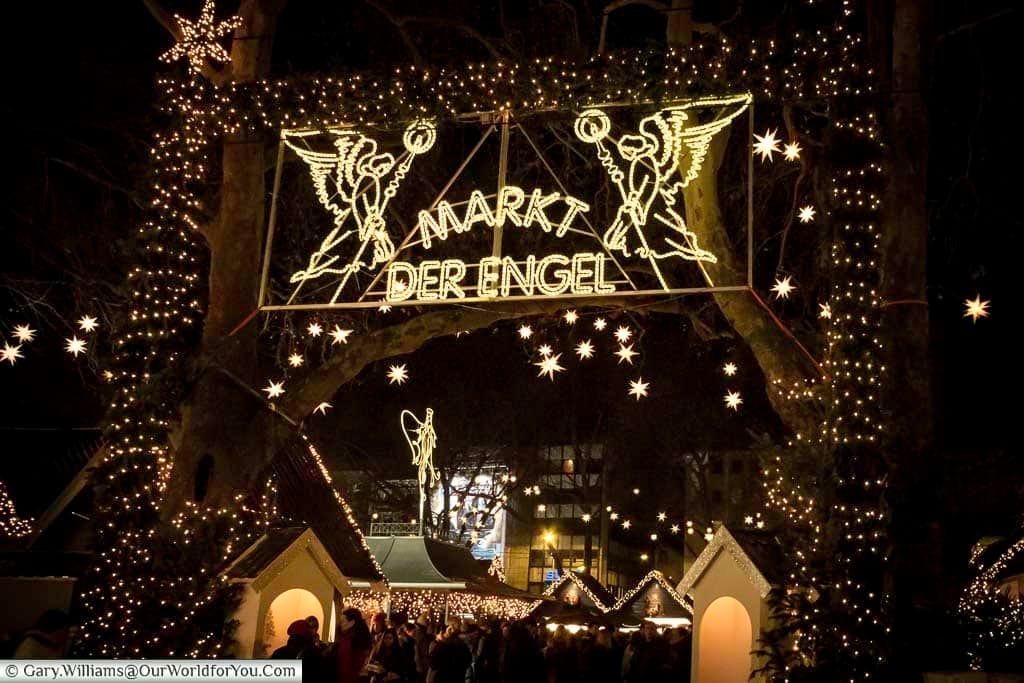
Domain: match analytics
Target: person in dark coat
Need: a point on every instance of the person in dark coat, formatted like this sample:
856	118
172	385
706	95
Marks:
521	660
450	658
300	645
560	657
651	659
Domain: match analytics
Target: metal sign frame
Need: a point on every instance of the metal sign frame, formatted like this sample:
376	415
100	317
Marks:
504	124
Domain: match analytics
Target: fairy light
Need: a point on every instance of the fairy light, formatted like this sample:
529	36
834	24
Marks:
199	38
11	525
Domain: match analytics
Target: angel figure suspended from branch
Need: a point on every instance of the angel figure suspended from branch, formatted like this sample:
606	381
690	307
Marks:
422	440
669	142
350	183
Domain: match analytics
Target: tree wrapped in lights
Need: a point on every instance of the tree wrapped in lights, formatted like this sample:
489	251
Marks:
993	618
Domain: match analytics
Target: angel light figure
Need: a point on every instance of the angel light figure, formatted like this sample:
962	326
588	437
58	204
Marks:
350	183
422	439
666	143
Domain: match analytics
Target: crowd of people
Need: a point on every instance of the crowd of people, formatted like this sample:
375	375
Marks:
395	650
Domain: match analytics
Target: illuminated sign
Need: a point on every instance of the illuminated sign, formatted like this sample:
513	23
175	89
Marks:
382	235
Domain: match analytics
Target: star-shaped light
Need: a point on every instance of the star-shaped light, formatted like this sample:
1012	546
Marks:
824	311
626	353
585	517
544	350
638	388
549	366
782	288
24	333
87	323
585	349
729	369
760	524
623	334
274	389
749	519
108	375
674	528
792	151
613	516
600	324
976	308
199	39
733	400
296	360
322	408
626	524
10	353
384	308
525	331
398	374
766	145
315	329
571	317
74	346
662	516
339	336
807	214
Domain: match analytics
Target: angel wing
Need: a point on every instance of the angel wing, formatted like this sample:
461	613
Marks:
692	140
322	167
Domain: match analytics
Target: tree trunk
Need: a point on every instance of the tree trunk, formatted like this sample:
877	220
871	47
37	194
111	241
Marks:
219	411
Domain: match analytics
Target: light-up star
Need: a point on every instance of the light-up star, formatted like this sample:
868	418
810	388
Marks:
384	308
600	324
296	360
544	350
626	353
549	366
315	330
733	400
74	346
749	519
199	39
24	333
792	151
976	308
525	331
729	369
638	388
623	334
766	145
760	524
398	374
662	516
108	375
824	311
626	524
585	517
10	353
613	516
585	349
339	336
674	528
87	323
807	214
274	389
322	408
571	317
783	287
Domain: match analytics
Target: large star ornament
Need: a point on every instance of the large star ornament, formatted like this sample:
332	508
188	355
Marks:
976	308
199	39
549	366
767	145
10	353
638	388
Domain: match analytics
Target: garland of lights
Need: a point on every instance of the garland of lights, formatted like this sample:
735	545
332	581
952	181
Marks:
167	285
11	525
438	603
657	577
571	576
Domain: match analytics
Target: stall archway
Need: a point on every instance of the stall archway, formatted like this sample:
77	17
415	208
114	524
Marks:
725	640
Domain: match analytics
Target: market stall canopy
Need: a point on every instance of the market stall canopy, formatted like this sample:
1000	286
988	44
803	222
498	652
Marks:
419	562
576	589
653	598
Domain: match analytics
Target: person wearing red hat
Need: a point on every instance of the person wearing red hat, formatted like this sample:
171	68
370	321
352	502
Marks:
300	642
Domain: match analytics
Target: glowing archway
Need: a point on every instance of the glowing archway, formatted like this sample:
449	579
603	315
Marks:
724	643
289	606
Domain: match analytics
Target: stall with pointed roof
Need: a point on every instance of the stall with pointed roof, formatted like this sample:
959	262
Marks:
654	599
729	584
